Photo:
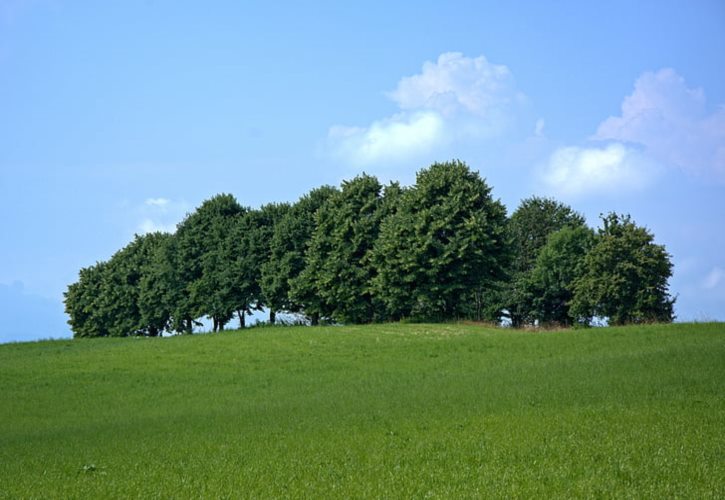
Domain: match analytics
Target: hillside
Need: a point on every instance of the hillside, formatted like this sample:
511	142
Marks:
368	411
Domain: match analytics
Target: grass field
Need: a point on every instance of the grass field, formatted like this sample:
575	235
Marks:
408	411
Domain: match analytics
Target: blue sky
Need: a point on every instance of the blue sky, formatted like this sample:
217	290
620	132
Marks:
120	117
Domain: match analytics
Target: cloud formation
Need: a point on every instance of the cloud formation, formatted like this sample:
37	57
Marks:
452	99
576	171
662	123
455	83
672	123
160	215
392	139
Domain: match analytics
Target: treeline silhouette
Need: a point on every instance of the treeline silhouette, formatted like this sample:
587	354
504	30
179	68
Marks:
440	250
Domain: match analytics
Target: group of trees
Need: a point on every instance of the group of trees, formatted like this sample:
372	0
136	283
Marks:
441	249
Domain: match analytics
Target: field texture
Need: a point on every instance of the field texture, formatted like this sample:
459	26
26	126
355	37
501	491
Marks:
408	411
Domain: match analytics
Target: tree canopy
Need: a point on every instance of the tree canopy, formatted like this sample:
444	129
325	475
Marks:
442	249
528	231
442	245
625	276
287	247
548	288
338	267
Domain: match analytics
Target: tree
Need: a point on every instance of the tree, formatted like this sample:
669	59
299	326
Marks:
86	318
120	292
215	290
549	287
335	282
159	286
625	276
442	248
197	260
106	300
247	249
528	230
287	246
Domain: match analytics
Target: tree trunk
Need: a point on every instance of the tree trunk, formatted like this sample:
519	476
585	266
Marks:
241	319
315	319
216	324
272	316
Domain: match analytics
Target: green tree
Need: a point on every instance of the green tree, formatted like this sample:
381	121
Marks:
198	241
159	286
440	251
335	282
247	249
120	293
106	300
82	303
625	276
287	246
549	287
528	231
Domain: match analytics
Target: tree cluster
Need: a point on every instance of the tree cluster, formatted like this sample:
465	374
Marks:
442	249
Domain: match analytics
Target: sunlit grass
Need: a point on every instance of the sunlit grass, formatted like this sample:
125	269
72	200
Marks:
374	411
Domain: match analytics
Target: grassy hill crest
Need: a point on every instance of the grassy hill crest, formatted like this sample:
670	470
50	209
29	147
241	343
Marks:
366	411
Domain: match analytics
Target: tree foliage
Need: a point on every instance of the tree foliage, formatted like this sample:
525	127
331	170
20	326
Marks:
549	287
625	276
443	244
107	299
86	317
528	231
200	263
439	250
335	282
287	247
248	251
159	287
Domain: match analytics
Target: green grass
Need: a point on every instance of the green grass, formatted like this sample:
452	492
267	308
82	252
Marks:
409	411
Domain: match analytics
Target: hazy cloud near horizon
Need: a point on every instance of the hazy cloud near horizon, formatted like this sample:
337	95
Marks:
27	316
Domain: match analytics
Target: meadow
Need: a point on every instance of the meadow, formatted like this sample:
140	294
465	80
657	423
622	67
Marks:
395	411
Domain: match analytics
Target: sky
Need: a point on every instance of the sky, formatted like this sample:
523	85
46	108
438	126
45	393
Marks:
119	118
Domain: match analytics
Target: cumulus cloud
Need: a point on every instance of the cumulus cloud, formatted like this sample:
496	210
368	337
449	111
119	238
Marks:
672	123
452	99
457	83
391	139
662	123
576	171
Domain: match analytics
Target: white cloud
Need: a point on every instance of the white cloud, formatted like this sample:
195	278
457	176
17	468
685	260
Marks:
575	171
150	226
160	214
157	202
672	123
457	83
714	278
391	139
453	99
539	128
